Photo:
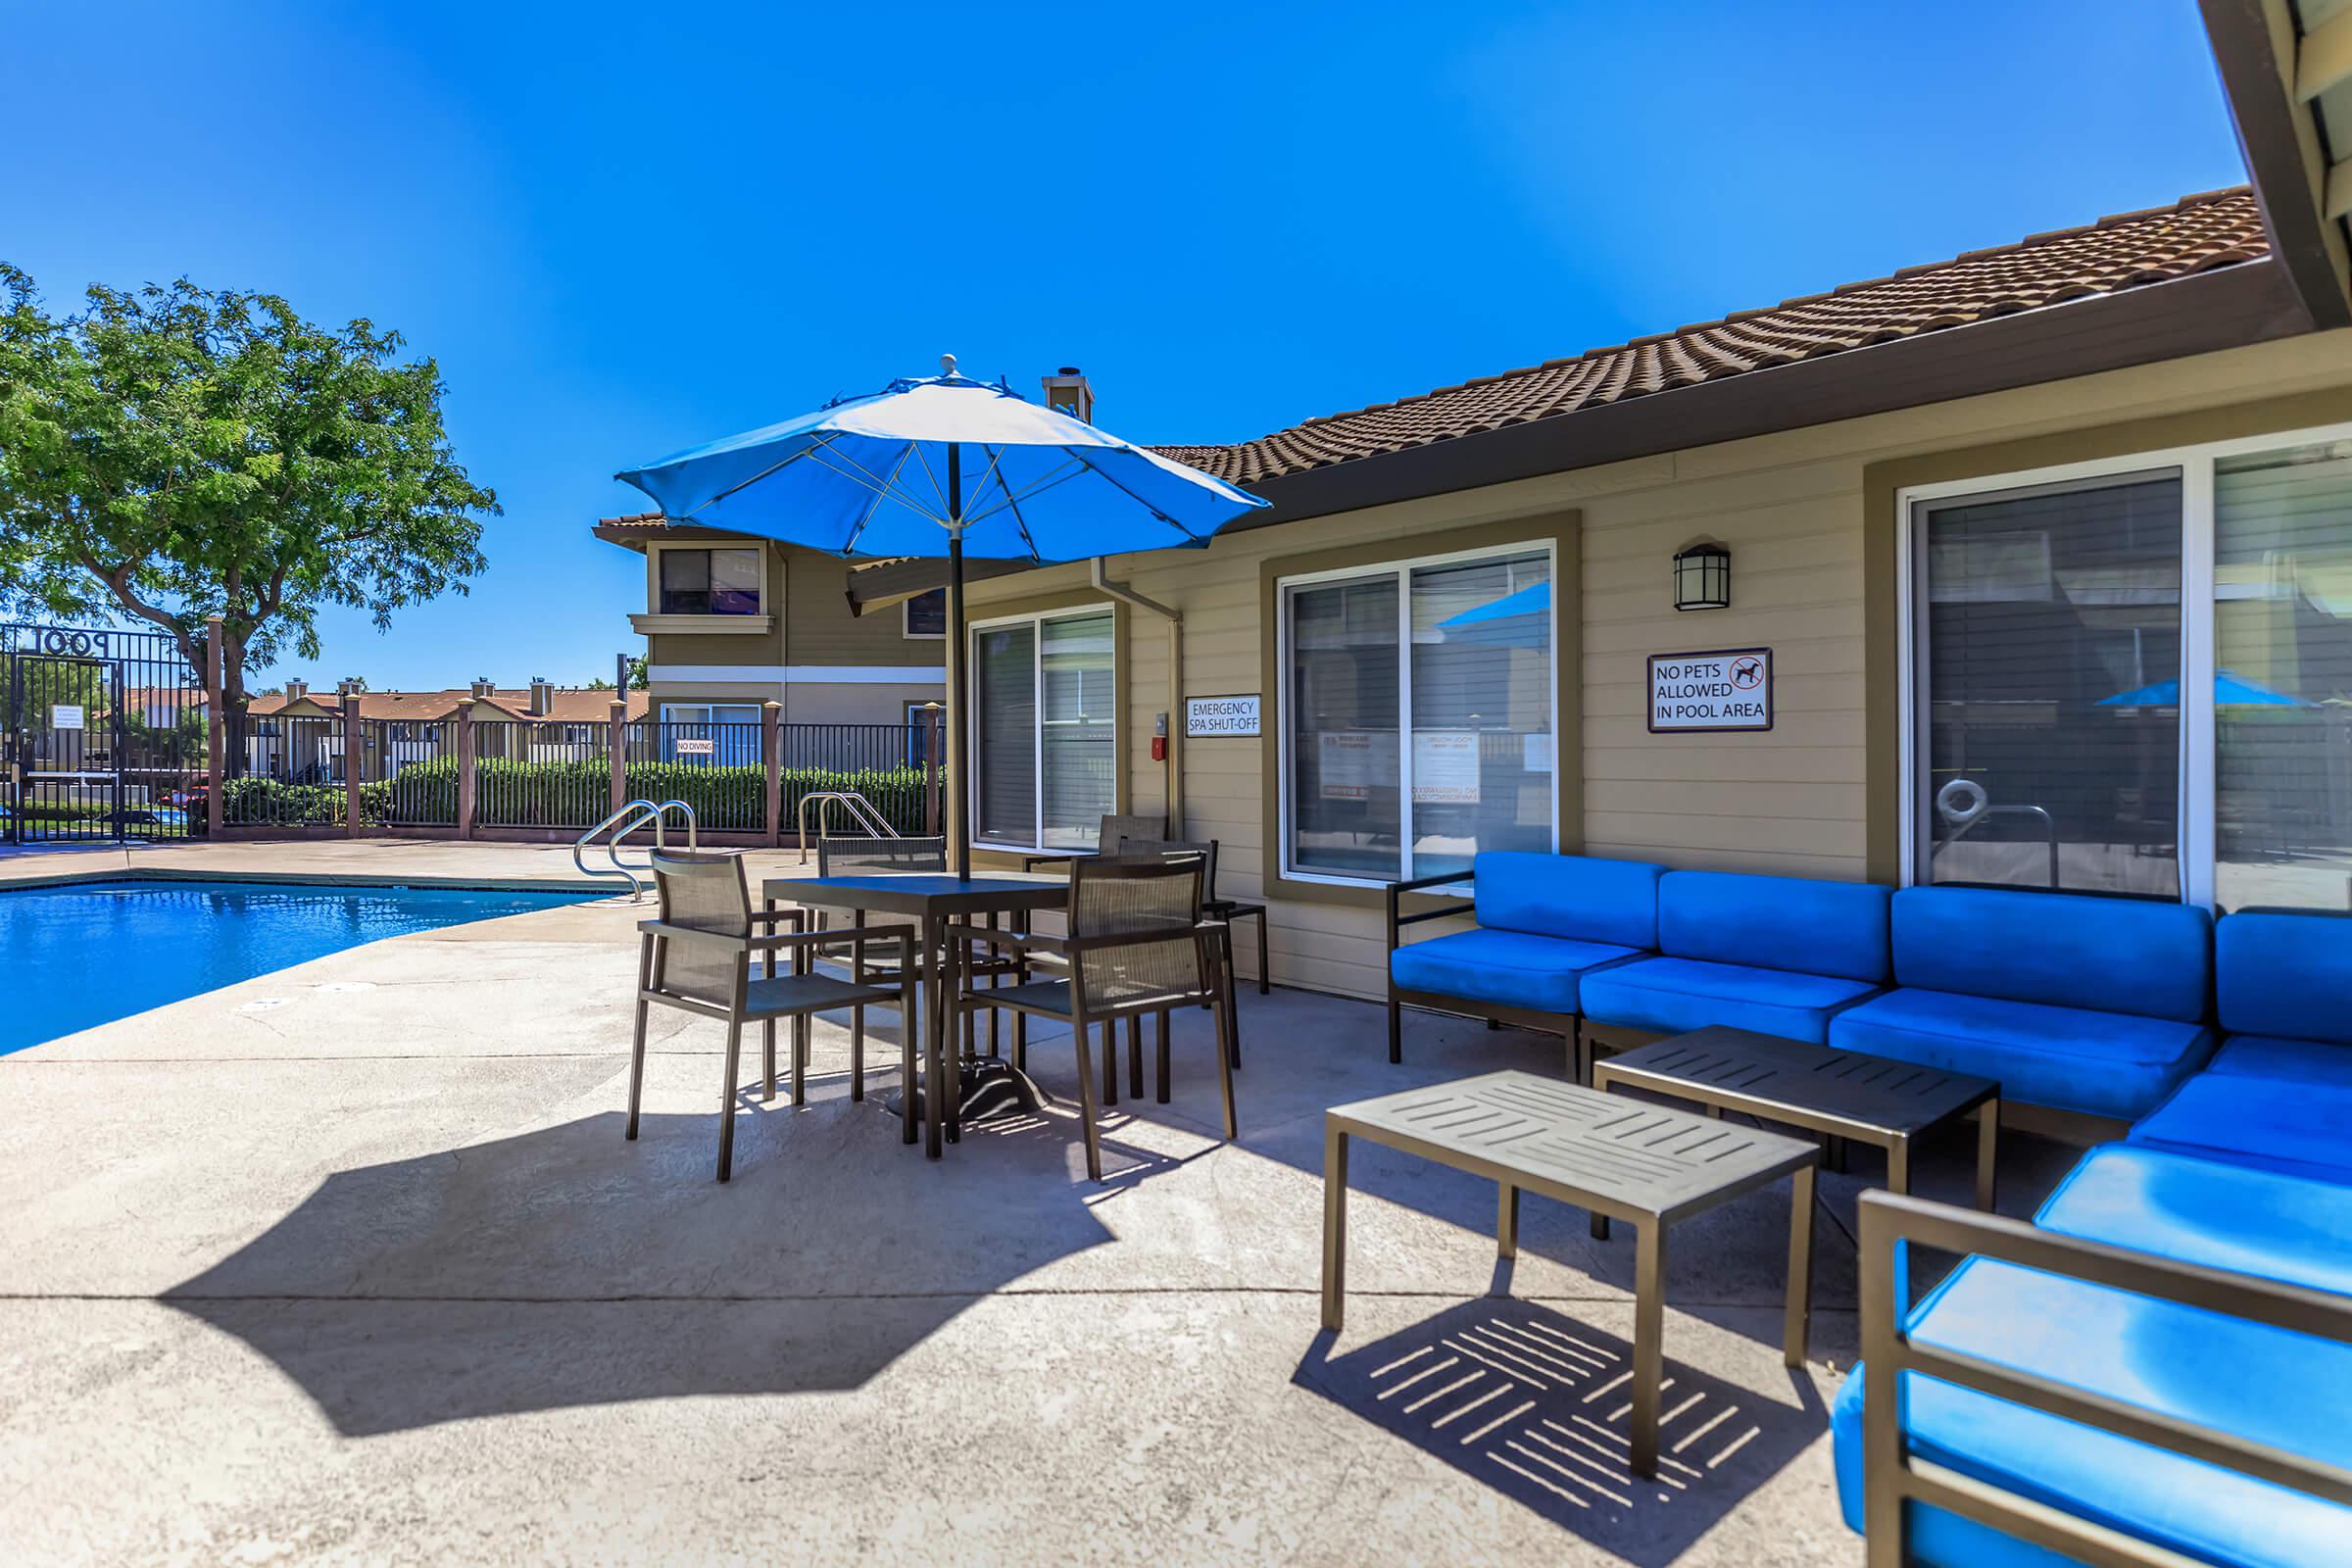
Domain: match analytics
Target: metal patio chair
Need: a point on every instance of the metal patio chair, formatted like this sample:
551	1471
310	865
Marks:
1136	945
881	857
1221	911
697	955
1114	828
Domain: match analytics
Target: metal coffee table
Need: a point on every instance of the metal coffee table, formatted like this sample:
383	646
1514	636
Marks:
1644	1164
1840	1094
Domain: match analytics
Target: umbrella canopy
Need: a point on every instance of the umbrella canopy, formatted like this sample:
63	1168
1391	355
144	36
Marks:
2228	691
885	474
882	474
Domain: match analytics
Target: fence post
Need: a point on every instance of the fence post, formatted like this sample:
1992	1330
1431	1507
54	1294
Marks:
772	753
618	745
931	775
215	728
466	771
352	759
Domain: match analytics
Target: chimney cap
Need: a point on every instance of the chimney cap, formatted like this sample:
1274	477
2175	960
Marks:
1069	370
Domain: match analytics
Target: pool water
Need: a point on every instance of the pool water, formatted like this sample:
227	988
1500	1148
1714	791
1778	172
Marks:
94	951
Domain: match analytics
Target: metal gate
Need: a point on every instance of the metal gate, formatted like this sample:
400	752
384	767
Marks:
104	736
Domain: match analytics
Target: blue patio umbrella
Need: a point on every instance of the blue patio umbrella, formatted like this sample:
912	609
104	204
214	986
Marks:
1517	618
882	475
2228	691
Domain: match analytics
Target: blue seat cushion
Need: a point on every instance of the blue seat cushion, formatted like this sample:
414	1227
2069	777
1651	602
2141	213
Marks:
2285	974
2313	1062
1578	895
2059	949
1775	922
2200	1366
2176	1206
1509	969
2275	1124
1671	996
2101	1063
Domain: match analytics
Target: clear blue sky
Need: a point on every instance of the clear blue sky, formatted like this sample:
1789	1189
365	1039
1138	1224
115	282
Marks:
620	232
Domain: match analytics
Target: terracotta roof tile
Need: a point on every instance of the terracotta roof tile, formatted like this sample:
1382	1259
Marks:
2127	250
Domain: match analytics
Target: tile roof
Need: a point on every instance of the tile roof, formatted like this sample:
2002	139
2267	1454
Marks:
569	705
2197	234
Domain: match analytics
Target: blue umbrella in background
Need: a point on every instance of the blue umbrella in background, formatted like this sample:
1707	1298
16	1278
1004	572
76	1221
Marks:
2228	691
882	475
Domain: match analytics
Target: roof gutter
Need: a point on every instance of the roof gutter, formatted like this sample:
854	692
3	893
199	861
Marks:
1098	575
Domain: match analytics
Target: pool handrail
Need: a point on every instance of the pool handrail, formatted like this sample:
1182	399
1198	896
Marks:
624	821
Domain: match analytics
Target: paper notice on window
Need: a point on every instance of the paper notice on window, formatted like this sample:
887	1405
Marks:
1445	767
1350	764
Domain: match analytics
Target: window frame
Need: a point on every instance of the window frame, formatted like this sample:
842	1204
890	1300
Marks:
753	547
2195	464
1400	570
1037	619
907	619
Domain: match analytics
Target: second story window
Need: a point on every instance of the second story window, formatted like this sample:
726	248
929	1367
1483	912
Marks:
710	582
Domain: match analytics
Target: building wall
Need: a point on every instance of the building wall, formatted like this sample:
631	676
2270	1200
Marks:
1809	519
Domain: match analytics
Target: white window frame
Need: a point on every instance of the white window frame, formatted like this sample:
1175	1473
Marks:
1037	738
1285	748
654	552
709	708
2194	464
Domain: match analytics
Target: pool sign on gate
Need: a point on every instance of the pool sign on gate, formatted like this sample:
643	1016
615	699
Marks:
1729	688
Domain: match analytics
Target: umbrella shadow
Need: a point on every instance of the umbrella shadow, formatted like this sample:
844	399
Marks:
1537	1406
564	1267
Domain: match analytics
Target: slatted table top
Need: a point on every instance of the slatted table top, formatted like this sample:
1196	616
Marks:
1807	1085
1602	1152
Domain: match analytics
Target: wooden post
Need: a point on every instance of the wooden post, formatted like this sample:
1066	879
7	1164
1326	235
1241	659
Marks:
354	738
215	729
931	775
465	780
619	745
772	752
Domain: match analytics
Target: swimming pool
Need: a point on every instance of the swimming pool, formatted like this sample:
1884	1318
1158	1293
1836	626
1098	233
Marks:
89	953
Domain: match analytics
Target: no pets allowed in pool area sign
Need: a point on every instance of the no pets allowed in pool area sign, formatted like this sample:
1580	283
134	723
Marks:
1729	688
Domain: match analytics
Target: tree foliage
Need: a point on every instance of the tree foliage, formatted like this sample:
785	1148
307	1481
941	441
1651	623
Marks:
172	453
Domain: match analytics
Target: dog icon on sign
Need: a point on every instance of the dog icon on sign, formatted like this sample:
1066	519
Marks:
1747	673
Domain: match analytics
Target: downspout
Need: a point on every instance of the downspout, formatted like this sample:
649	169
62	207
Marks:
1172	783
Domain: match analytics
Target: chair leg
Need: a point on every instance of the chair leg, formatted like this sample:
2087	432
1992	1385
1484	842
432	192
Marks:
1225	1055
800	1032
1396	1028
1134	1056
1086	1100
857	1053
645	979
1264	969
1233	1017
768	1059
1162	1019
726	1100
1111	1063
996	1017
911	1032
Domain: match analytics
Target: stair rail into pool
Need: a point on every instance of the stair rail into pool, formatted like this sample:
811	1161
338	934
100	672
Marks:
862	815
623	822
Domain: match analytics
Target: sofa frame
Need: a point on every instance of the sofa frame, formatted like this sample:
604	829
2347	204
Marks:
1570	1027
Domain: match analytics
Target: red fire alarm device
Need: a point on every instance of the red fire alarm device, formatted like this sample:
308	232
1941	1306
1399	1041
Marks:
1159	738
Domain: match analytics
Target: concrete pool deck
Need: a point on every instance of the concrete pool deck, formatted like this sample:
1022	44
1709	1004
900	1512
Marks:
350	1263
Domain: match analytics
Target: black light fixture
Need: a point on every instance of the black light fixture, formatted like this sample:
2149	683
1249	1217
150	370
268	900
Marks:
1702	577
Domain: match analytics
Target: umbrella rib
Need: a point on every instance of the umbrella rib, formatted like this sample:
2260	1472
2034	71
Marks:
936	488
1061	475
1132	496
883	488
995	456
875	504
773	467
1013	504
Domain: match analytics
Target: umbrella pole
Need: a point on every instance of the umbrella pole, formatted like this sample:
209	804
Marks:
958	737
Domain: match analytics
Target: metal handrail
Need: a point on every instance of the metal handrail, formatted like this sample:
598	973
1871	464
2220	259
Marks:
861	814
630	818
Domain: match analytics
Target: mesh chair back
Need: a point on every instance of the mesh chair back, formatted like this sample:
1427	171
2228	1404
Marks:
862	857
1116	828
702	893
1120	898
1168	848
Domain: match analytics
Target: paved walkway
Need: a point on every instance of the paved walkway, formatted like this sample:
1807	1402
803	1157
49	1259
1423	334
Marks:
368	1275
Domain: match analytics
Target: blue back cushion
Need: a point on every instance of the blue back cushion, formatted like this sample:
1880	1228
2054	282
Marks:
2062	950
2285	974
1568	895
1775	922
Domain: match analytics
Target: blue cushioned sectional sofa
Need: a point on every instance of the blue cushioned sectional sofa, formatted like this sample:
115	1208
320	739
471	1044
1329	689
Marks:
2219	1052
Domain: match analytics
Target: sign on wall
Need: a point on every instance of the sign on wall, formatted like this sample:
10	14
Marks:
1725	689
1220	717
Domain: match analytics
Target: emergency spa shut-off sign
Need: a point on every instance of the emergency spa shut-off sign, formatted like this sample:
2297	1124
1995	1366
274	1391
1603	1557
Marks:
1727	689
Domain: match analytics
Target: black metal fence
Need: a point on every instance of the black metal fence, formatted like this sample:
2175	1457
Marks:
413	768
102	735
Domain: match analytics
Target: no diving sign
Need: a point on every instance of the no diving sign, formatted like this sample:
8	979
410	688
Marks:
1727	689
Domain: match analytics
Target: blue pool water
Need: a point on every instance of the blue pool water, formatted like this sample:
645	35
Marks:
94	951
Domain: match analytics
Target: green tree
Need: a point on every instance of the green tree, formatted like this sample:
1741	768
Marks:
172	453
637	676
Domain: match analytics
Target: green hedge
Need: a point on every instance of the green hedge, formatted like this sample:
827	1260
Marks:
569	794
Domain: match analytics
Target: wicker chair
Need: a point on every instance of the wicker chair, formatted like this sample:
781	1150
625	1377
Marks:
697	957
1214	908
879	857
1136	945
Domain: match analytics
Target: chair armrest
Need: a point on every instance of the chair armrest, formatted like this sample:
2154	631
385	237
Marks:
1397	889
1139	939
794	917
991	936
771	944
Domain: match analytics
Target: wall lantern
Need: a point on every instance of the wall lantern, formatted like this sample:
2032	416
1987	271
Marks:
1702	578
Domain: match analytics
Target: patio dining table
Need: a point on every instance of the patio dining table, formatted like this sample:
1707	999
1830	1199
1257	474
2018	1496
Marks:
934	900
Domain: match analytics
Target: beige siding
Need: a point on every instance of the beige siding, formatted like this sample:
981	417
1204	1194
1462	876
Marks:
818	629
1791	508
